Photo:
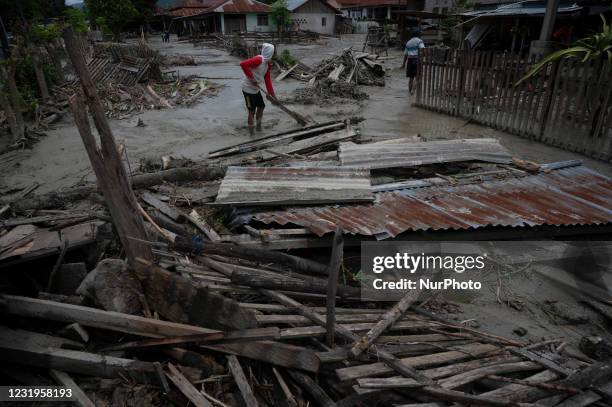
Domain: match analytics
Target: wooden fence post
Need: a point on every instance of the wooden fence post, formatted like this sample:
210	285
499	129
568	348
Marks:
106	160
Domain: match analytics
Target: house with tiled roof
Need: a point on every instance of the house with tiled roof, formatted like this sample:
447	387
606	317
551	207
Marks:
218	16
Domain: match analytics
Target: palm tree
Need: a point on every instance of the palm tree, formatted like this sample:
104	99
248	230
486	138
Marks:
597	45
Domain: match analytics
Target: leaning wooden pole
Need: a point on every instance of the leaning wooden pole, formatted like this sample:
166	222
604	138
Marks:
106	160
332	287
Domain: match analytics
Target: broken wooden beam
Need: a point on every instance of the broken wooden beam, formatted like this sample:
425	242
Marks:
248	335
241	381
78	396
311	387
186	387
105	159
388	319
275	353
230	250
73	361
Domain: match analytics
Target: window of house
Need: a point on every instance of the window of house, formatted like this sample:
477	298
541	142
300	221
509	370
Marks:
436	10
323	21
262	19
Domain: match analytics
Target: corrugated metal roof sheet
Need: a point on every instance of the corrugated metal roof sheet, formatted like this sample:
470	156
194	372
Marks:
403	153
279	185
565	197
521	9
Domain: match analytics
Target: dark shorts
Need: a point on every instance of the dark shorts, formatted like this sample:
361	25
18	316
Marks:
253	100
412	67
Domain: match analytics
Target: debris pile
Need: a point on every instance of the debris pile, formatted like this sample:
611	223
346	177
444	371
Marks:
168	60
224	315
359	68
327	91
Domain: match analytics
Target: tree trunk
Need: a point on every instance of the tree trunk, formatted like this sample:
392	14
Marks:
10	116
40	74
106	160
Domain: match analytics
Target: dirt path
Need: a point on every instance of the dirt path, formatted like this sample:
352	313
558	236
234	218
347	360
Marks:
59	160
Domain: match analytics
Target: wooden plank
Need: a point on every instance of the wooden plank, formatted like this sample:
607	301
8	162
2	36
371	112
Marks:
464	378
388	383
377	369
289	398
85	363
319	331
248	335
96	318
280	138
275	353
164	208
307	384
199	222
78	396
186	387
284	73
241	381
387	320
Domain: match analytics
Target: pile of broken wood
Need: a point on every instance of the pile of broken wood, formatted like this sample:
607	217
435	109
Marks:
359	68
210	322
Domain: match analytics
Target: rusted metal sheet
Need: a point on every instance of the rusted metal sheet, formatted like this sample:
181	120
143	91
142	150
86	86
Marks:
565	197
402	153
278	185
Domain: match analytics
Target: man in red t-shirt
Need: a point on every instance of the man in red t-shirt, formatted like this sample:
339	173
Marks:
256	70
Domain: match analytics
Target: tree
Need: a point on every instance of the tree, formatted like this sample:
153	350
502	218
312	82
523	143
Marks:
146	11
598	45
111	14
281	15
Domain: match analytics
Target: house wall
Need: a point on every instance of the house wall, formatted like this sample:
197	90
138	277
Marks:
251	24
310	15
314	22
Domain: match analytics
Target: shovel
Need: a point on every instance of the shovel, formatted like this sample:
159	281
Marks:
298	117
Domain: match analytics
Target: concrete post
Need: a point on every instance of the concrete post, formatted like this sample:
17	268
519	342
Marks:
544	46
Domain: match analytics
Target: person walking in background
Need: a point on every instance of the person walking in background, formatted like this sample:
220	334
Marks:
256	70
412	53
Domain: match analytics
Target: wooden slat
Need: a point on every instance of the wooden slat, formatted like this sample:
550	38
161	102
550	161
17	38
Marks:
377	369
186	387
241	381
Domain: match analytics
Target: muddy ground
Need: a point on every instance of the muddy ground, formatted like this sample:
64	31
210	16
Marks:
59	161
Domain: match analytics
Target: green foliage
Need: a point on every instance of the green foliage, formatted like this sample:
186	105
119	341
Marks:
145	9
45	33
449	23
26	79
281	15
285	58
113	14
75	18
17	12
598	45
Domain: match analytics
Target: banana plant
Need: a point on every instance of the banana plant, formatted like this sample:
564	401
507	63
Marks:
597	45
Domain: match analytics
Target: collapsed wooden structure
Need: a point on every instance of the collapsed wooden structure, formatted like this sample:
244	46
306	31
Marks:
209	310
